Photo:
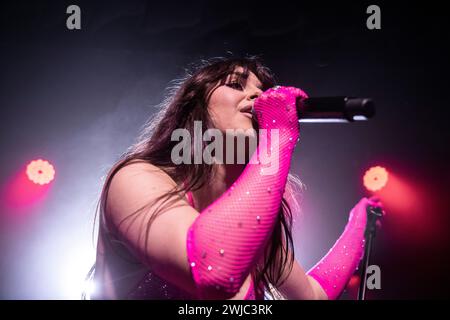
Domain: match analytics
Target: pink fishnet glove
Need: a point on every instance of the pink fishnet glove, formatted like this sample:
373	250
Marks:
335	269
227	238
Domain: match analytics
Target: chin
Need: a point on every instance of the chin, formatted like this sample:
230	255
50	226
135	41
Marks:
247	124
248	131
244	129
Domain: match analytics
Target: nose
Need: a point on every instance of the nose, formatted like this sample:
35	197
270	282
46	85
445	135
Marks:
254	95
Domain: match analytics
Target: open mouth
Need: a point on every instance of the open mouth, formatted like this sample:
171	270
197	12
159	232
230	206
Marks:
248	114
247	111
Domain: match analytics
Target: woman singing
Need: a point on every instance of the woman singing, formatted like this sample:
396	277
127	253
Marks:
221	230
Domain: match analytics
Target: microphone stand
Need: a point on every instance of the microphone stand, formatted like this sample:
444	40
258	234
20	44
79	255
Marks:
373	215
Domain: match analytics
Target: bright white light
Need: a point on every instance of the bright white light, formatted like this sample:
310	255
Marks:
89	288
73	277
360	118
331	120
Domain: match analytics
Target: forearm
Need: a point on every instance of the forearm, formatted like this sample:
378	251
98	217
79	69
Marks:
226	239
228	236
334	271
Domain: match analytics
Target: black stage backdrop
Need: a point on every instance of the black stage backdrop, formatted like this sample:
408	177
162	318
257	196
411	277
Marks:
79	97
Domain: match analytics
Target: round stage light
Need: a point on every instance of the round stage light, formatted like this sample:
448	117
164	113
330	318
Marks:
375	178
40	171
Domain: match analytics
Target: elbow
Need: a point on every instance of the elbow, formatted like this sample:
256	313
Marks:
318	292
215	293
217	288
216	283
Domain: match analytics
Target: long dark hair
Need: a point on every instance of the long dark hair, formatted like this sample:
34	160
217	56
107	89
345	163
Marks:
186	102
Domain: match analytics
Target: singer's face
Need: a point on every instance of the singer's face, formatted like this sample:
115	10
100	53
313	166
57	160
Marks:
230	104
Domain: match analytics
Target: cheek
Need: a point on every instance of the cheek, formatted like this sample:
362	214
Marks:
222	119
223	107
224	99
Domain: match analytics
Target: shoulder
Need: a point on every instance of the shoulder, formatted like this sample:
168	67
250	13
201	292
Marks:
136	185
139	177
136	169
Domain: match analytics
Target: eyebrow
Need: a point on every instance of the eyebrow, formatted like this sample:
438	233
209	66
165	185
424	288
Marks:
245	76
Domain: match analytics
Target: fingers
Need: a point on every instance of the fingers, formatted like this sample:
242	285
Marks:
301	93
375	201
361	206
293	90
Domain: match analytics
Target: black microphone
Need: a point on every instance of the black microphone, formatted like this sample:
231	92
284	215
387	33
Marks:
334	109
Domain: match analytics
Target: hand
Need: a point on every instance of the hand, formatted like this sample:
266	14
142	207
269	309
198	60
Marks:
374	201
358	215
276	109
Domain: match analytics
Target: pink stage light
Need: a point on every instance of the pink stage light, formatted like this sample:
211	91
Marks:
25	189
40	171
408	202
375	178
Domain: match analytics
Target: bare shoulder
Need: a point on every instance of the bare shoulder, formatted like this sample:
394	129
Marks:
151	220
141	177
134	186
146	170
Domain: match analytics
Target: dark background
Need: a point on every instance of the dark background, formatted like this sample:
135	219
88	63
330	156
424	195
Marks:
78	99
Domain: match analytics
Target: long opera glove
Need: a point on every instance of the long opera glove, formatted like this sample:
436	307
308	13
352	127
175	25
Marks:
335	269
228	236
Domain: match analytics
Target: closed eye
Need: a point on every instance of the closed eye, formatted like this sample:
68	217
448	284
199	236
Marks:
235	85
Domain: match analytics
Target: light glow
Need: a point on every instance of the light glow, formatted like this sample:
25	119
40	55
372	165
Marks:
375	178
40	171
